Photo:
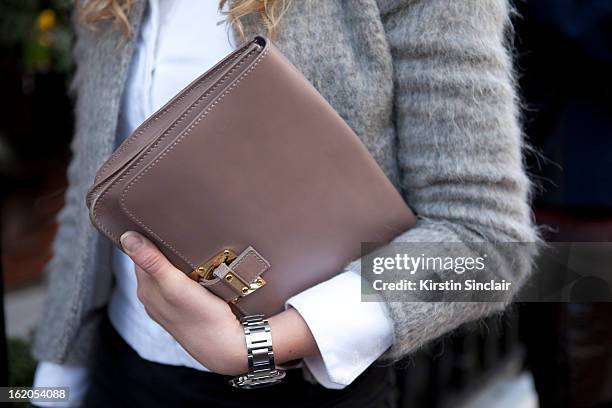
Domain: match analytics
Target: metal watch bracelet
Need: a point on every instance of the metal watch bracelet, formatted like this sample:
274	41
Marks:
262	370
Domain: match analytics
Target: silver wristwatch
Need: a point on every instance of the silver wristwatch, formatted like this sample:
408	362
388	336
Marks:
262	371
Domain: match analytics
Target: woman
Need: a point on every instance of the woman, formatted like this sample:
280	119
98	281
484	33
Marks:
426	84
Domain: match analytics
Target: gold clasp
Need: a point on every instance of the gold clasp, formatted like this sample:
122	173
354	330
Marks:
205	271
241	287
234	281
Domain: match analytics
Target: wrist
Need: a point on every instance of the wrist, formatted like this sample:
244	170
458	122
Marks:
291	337
291	340
231	354
237	362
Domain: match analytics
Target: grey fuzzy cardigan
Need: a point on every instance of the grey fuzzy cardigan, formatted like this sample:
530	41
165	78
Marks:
426	84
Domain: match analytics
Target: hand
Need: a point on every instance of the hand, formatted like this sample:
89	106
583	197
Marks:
202	322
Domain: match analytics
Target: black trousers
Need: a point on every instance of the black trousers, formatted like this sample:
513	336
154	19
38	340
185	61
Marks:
121	378
569	345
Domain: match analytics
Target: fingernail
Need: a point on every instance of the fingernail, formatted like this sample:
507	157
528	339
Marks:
131	241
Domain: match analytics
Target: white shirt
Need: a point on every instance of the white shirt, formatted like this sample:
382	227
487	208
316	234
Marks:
179	40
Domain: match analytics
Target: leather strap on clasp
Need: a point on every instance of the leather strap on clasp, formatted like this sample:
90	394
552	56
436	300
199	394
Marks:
239	278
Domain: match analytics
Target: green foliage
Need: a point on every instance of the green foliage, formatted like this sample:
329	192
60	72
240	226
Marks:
37	34
21	363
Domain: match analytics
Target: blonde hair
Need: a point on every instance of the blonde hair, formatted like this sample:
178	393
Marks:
90	12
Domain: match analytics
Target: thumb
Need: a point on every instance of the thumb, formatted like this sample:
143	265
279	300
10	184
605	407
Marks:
146	255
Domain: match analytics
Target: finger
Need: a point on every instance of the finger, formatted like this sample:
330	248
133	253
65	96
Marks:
146	255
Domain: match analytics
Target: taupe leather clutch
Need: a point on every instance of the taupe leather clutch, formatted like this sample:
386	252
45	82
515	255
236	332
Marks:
249	182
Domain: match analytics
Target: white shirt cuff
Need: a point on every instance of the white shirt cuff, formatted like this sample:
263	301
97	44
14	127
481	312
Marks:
56	375
350	334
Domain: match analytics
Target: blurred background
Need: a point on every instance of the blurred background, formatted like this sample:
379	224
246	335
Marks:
546	354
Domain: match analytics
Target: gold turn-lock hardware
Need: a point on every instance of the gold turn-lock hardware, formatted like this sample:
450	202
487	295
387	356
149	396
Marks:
205	271
227	256
241	287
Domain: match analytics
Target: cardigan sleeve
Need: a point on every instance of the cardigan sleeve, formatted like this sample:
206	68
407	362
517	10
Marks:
459	147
